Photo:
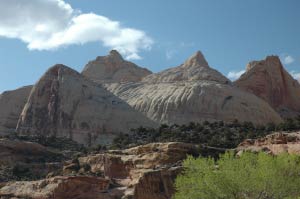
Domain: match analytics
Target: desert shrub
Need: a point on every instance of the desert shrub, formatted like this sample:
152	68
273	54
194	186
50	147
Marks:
250	176
215	134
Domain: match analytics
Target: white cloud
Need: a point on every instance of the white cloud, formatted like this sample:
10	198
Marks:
296	75
51	24
287	59
234	75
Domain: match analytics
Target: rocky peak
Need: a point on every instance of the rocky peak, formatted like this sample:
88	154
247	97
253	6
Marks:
269	80
196	59
194	68
113	69
269	63
60	70
115	55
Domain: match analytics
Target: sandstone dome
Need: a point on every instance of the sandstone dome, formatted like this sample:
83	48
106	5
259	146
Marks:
193	92
63	103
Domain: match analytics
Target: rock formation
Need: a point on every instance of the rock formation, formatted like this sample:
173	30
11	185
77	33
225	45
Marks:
143	172
113	68
79	187
11	105
63	103
193	92
279	142
269	80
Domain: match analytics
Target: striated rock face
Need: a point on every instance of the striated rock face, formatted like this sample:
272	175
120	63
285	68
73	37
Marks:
143	172
113	68
276	143
65	104
193	92
11	105
269	80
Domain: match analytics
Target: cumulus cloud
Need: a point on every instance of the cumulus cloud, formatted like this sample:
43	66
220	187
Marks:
287	59
296	75
51	24
234	75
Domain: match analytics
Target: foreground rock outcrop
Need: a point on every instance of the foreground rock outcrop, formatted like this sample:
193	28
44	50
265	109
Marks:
60	188
63	103
269	80
193	92
11	106
143	172
113	68
276	143
19	160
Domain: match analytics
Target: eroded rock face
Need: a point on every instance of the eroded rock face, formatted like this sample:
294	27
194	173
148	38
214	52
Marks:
157	184
65	104
113	68
11	106
143	172
275	143
269	80
193	92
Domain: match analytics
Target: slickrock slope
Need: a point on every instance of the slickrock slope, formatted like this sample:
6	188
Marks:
276	143
144	172
193	92
113	68
11	105
63	103
270	81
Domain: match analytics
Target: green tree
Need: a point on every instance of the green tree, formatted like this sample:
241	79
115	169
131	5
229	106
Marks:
251	176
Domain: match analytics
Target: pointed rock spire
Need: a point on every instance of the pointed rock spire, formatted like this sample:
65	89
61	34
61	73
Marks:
197	59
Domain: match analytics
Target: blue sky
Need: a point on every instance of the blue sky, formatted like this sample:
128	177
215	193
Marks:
157	34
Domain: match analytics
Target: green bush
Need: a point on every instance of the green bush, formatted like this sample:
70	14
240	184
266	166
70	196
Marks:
250	176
